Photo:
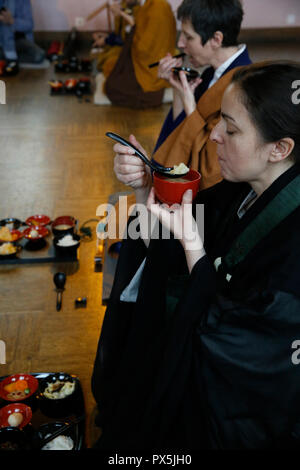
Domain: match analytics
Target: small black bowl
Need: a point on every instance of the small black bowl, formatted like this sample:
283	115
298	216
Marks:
191	74
12	255
66	251
49	428
84	85
13	223
12	438
58	407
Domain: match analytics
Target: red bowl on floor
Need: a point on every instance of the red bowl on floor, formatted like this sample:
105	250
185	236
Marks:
39	220
56	85
15	408
71	83
170	191
7	395
35	233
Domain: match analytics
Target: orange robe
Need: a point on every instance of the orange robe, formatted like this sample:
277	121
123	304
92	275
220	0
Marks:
154	37
108	58
190	142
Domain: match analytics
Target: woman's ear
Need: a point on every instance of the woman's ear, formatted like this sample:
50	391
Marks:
282	149
217	39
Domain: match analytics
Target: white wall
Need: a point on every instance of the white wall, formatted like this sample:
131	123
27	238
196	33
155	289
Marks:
59	15
271	13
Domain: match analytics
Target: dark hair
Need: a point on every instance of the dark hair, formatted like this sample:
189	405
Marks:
209	16
267	93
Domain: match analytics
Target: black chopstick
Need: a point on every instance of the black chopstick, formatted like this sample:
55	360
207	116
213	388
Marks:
155	64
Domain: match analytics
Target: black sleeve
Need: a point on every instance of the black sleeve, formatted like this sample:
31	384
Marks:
246	363
228	366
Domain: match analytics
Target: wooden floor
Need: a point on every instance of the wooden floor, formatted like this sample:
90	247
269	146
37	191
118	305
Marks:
56	160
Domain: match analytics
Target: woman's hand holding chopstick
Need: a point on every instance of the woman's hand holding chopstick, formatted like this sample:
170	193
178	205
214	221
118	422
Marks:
165	66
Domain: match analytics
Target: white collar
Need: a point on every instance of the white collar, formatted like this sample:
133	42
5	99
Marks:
220	70
245	204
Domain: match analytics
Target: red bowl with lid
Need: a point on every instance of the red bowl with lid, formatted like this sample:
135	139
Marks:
171	190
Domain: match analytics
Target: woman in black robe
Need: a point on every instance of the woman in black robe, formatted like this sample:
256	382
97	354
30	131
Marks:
203	354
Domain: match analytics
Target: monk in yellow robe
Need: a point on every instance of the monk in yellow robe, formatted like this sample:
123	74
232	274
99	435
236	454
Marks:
132	83
112	43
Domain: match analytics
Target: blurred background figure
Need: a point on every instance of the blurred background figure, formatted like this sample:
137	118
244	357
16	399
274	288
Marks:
131	82
111	43
16	33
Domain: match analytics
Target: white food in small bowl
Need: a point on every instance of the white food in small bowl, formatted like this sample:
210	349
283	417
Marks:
15	419
180	169
34	233
59	443
67	240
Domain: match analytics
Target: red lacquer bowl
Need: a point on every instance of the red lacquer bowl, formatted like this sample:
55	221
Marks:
35	233
39	220
16	235
71	83
63	225
56	85
32	383
170	191
15	408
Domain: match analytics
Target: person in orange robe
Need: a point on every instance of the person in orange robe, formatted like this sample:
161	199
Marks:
132	83
112	43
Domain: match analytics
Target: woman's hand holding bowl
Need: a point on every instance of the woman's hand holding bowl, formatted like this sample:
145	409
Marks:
185	89
178	219
165	67
182	87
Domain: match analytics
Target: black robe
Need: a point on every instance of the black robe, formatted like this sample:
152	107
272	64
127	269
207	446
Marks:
216	372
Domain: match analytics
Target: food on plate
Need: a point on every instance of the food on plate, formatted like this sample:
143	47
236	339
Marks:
38	220
7	249
5	234
59	389
67	240
180	169
59	443
34	233
15	419
17	390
